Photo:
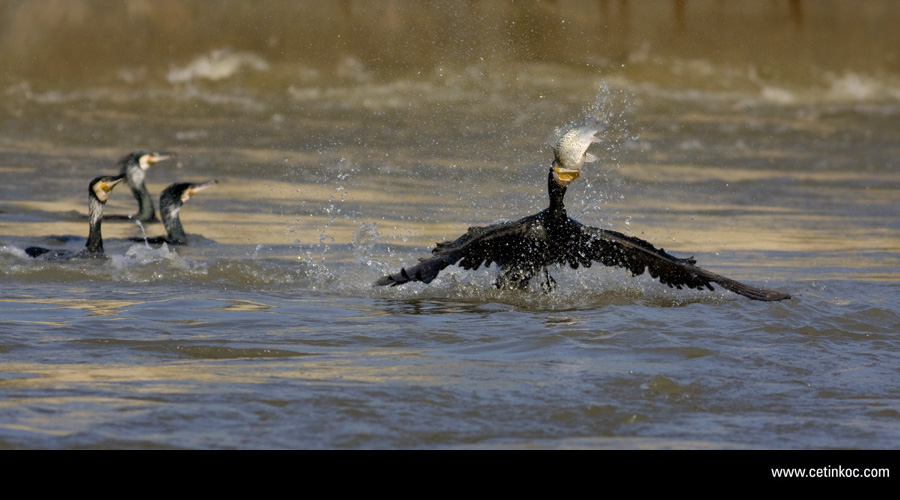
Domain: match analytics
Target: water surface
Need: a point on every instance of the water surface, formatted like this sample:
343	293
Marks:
347	149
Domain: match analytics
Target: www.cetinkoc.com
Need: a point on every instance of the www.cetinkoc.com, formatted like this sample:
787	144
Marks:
832	472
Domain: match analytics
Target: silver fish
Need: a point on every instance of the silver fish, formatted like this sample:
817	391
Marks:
570	151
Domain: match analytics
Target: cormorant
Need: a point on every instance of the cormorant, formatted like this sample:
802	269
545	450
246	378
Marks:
524	248
170	203
135	166
98	193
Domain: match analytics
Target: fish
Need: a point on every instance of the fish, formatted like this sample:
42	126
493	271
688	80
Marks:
570	151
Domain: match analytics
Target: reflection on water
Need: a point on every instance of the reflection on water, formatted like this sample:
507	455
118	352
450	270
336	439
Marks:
348	139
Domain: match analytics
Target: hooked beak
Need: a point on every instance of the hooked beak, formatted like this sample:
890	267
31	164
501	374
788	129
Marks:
563	175
103	187
195	188
158	157
150	158
108	186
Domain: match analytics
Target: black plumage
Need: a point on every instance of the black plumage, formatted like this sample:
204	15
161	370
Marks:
525	248
98	193
170	202
134	166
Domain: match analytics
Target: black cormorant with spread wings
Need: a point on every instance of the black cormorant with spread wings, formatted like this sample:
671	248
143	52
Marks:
134	166
523	249
98	193
170	202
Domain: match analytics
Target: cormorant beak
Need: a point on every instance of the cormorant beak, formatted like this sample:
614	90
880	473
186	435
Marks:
102	188
108	186
196	187
564	175
151	158
158	157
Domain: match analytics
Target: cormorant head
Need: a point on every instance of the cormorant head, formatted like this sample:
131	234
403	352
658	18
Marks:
180	192
147	159
101	186
187	190
144	159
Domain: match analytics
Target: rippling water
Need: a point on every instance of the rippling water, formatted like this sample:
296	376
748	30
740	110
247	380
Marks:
346	149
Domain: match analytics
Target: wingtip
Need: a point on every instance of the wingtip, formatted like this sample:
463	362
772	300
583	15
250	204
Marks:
776	296
763	294
760	294
384	281
393	279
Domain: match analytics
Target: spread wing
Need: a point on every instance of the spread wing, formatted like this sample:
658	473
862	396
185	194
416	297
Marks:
616	249
503	243
526	242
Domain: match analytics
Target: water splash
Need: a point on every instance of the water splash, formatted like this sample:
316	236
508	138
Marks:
364	240
142	262
600	184
143	232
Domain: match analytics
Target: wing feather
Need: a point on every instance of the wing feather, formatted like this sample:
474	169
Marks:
502	243
615	249
527	242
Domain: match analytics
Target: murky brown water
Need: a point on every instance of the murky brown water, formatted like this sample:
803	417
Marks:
347	141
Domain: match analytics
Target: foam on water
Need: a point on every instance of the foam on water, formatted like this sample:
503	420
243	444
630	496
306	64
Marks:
217	65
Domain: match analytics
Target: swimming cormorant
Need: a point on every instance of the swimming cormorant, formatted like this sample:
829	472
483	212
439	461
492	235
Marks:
98	193
170	203
135	166
524	248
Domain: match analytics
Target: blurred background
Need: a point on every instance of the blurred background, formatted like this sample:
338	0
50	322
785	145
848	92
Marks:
787	41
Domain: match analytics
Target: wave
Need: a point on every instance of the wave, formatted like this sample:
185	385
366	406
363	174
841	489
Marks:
217	65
